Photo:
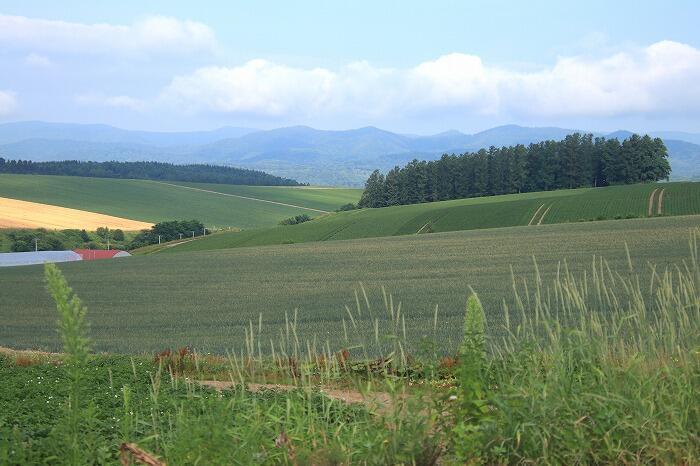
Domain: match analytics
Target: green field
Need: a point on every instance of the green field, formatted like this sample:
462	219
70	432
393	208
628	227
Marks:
207	299
152	201
314	197
468	214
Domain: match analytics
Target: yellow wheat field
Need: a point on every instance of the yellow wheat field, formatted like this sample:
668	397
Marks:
23	214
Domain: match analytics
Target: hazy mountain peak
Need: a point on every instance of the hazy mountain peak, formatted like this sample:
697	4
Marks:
299	152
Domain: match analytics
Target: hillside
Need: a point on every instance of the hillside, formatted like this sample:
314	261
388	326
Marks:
151	201
313	197
306	154
532	209
207	299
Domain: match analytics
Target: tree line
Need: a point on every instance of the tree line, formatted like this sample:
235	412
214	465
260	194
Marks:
41	239
201	173
168	231
579	160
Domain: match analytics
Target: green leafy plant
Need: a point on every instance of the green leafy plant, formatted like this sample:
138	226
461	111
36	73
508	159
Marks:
73	328
472	408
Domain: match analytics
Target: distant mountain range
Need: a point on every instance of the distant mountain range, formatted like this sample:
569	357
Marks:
298	152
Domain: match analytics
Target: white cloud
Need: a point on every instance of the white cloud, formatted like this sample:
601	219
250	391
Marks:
118	101
157	34
40	61
661	79
257	87
8	103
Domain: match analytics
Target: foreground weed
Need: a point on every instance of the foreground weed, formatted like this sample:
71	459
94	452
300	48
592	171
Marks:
73	328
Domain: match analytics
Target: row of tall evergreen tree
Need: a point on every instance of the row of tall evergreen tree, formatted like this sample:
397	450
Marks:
579	160
147	171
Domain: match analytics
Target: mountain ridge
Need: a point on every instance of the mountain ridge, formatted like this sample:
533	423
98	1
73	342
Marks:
340	157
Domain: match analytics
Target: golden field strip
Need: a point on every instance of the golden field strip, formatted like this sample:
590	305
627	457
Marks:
23	214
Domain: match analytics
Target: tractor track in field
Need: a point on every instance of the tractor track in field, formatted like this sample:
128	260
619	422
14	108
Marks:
659	210
191	188
537	214
423	227
543	214
534	216
650	208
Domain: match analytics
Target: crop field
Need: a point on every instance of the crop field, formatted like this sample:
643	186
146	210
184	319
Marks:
150	201
23	214
322	198
532	209
209	299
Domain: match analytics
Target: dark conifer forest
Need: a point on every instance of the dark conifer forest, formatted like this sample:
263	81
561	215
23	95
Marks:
147	171
579	160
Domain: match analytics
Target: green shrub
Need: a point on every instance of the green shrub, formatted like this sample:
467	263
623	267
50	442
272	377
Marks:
297	219
346	207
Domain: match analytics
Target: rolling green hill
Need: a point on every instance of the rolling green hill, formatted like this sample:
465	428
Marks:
313	197
154	201
207	299
468	214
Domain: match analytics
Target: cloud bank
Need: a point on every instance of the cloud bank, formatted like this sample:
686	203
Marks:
153	35
107	65
8	103
661	79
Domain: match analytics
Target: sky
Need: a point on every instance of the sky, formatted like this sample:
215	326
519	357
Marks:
405	66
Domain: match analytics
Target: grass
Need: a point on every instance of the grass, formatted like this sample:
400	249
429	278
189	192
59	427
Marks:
207	299
152	202
564	206
598	365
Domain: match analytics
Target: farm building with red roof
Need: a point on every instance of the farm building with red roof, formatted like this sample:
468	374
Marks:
95	254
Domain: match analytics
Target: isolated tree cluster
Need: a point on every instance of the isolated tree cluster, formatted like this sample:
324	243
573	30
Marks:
147	171
167	231
297	219
579	160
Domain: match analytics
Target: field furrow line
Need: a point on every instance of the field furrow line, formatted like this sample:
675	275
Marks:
650	210
423	228
242	197
543	214
659	210
535	215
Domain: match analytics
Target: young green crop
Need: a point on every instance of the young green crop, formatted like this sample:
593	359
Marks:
594	365
151	201
564	206
206	299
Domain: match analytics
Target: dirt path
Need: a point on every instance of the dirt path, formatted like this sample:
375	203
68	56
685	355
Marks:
535	215
543	214
661	202
650	209
380	401
171	245
242	197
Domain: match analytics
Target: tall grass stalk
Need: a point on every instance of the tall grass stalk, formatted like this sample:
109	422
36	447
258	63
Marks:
597	368
73	328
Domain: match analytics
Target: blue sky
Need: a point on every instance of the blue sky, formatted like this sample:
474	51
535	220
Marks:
416	67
